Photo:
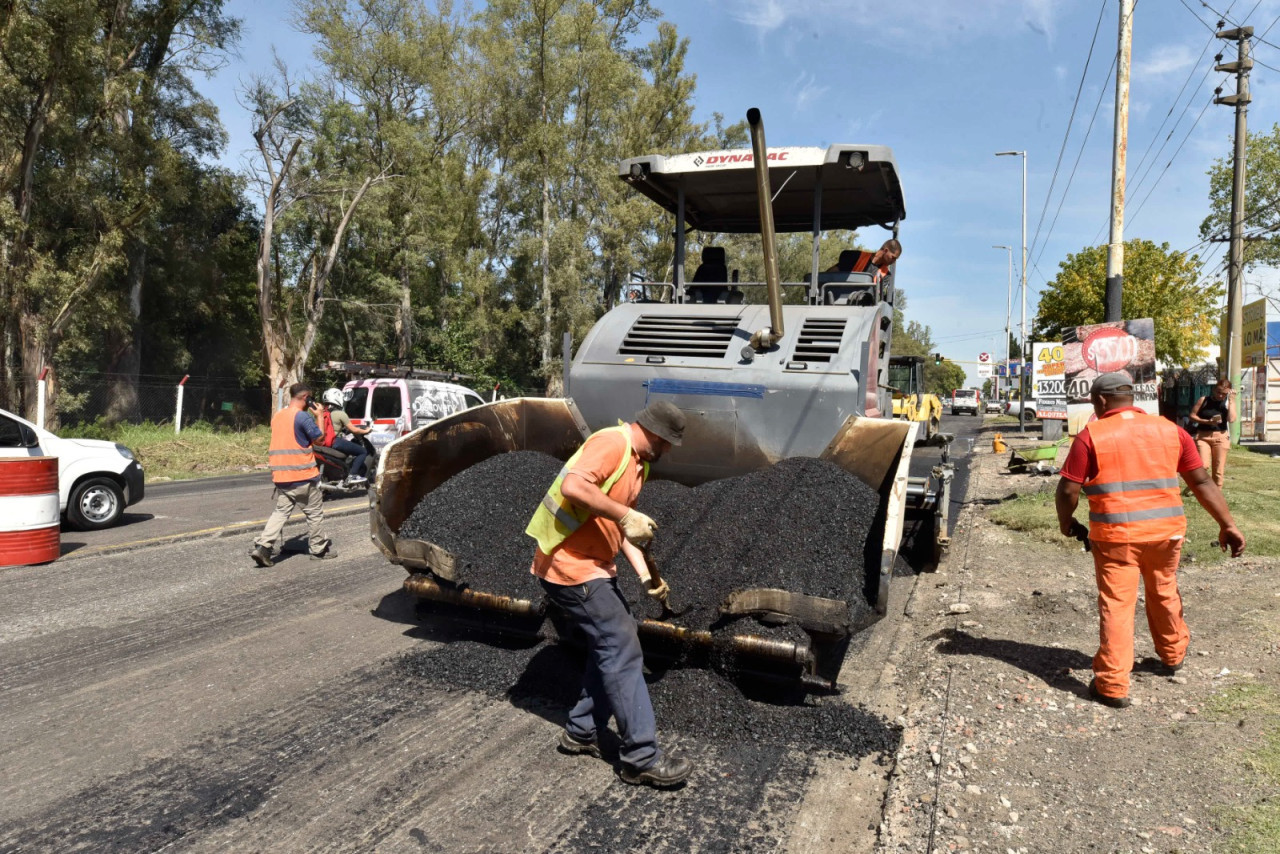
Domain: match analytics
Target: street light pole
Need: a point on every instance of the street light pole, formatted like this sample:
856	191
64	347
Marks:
1022	376
1008	306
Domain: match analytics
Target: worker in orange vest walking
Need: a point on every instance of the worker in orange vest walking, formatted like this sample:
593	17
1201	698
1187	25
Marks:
296	478
1127	463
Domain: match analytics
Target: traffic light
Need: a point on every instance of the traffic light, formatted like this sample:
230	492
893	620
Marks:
937	358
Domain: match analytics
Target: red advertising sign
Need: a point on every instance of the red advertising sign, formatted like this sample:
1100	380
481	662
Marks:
1126	346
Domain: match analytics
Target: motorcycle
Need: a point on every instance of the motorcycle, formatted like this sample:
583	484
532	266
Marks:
335	468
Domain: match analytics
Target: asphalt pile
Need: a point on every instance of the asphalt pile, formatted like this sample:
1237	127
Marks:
702	704
802	525
479	515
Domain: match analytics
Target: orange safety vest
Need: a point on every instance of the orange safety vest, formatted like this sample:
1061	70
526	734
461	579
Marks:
864	262
1135	498
290	462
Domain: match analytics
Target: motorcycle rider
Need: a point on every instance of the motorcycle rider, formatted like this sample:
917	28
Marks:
333	402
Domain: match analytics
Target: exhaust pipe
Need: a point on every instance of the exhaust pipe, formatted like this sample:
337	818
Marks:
766	338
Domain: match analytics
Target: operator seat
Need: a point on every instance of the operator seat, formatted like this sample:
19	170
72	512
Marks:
712	269
861	289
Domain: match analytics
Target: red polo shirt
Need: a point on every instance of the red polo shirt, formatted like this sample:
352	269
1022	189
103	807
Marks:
1082	463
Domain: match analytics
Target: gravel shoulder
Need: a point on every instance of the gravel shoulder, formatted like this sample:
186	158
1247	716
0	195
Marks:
1003	750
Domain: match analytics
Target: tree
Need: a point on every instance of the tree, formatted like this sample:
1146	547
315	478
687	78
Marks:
95	106
1261	198
320	203
942	379
1158	283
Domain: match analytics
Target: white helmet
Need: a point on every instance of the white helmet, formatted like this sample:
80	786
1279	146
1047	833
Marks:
333	397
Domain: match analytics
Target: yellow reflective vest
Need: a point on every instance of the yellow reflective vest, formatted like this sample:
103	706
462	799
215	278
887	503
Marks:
556	517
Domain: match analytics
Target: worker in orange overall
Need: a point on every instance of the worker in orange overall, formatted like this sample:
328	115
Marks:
1127	463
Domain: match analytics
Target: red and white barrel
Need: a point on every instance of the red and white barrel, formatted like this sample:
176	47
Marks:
29	523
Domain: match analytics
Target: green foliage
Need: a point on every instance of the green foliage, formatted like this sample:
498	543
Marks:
942	379
1261	198
1158	283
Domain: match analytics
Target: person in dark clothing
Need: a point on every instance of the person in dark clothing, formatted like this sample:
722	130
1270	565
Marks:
1210	418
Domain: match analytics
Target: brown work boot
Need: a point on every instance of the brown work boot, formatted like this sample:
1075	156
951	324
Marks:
576	747
1113	702
667	771
261	556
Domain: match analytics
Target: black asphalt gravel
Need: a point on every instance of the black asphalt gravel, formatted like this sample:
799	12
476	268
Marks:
801	525
702	704
480	515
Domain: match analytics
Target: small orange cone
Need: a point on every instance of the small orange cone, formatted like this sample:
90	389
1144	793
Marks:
997	444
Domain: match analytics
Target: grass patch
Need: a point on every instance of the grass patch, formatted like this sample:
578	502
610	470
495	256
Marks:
1252	491
1254	826
201	450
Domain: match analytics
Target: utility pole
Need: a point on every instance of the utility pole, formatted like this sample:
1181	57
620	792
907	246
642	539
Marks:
1008	311
1235	281
1022	364
1119	156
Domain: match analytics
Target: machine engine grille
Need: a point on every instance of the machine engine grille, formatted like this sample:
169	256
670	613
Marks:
819	339
674	335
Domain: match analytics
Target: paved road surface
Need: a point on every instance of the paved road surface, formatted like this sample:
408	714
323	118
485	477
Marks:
175	697
182	508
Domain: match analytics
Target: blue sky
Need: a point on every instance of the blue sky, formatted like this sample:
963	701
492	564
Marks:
946	84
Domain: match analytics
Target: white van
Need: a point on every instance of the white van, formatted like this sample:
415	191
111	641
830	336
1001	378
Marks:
396	406
96	479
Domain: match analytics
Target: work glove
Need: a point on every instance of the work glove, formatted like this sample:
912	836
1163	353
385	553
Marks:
1080	531
661	592
637	527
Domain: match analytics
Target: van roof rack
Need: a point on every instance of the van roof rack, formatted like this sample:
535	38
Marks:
384	370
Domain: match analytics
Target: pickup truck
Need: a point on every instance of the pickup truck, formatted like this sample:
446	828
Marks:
965	400
96	479
1013	407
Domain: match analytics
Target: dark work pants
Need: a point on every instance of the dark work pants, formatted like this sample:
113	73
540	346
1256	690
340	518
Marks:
355	451
614	681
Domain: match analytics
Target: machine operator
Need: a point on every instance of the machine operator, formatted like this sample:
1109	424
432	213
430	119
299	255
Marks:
585	518
861	261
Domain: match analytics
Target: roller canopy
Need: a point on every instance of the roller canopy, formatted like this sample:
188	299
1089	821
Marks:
860	187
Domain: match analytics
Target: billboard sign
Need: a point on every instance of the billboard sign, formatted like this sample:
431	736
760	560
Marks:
1126	346
1048	380
1253	330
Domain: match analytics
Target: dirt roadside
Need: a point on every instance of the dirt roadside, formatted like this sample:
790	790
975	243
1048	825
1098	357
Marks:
1003	750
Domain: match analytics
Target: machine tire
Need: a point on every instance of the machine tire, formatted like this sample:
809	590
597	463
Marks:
95	503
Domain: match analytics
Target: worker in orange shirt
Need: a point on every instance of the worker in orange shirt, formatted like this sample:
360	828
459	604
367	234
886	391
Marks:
861	261
585	518
1127	463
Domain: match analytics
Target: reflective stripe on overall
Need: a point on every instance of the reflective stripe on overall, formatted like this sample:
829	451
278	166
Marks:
556	518
1135	498
290	462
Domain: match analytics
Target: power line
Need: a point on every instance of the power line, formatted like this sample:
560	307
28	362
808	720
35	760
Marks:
1172	107
1088	131
1070	122
1174	157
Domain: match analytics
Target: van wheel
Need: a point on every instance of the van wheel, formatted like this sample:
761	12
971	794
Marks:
95	503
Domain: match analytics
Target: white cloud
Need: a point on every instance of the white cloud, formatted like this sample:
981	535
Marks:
916	19
807	90
763	15
1166	59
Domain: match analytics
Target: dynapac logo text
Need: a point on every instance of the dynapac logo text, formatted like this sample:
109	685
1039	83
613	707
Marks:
723	159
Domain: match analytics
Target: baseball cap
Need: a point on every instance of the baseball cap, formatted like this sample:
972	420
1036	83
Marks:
664	420
1115	382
